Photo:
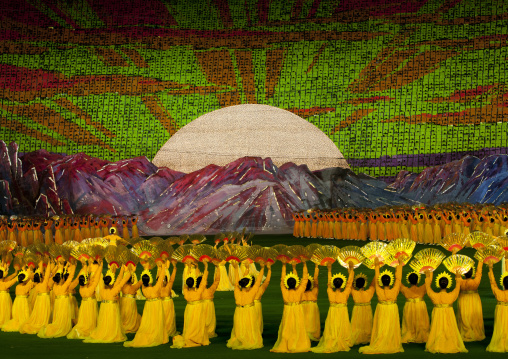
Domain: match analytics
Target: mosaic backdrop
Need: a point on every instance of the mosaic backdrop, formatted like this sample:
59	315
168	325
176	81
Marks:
396	85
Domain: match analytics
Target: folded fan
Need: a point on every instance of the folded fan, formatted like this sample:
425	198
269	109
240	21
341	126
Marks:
350	254
480	240
375	250
401	246
491	254
454	242
204	252
324	255
458	263
427	260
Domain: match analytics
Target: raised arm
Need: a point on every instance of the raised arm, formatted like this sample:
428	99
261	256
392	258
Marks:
237	274
13	275
216	280
303	284
398	277
202	285
69	280
97	275
283	275
350	278
47	275
316	276
376	272
259	278
161	271
493	284
268	277
122	280
329	281
478	277
10	283
171	280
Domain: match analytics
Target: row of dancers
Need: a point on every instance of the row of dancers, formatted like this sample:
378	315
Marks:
28	230
54	312
428	225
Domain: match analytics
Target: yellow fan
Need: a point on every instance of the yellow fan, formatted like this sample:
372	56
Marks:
369	263
480	240
503	242
31	260
80	253
7	246
70	244
324	255
427	260
197	239
375	250
18	252
230	252
491	254
156	240
172	240
130	260
312	247
279	247
454	242
17	263
95	242
350	254
204	252
266	254
183	253
145	250
165	249
401	246
97	252
116	255
182	239
42	248
218	238
298	253
458	263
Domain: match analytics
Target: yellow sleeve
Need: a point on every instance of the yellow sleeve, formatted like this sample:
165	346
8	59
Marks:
478	276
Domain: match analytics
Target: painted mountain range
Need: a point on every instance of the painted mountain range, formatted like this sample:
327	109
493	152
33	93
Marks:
249	193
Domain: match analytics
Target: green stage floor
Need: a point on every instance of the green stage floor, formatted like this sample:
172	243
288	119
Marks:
13	345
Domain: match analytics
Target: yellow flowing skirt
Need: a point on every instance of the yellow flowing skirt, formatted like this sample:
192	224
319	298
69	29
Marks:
224	283
292	337
32	297
129	314
415	322
210	319
312	320
152	330
109	325
169	316
20	313
499	341
5	307
39	316
87	319
444	336
470	317
74	308
337	334
194	329
62	319
245	334
385	338
361	324
259	314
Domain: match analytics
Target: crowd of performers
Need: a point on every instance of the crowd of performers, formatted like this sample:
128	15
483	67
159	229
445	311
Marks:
60	229
422	224
47	277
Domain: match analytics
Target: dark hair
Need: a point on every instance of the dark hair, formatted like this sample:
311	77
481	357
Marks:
505	282
21	277
1	273
291	283
337	282
243	282
469	273
443	282
107	280
95	262
81	279
37	278
360	283
66	275
198	280
308	286
413	278
189	282
145	278
386	279
57	277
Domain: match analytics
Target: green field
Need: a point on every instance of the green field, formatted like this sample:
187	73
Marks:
30	346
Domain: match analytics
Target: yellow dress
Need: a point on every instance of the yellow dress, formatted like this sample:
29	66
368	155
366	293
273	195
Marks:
444	335
5	301
194	328
131	319
386	337
41	312
415	317
88	311
246	334
311	311
499	341
292	336
20	308
61	324
361	318
109	323
224	284
152	330
337	334
209	307
168	306
469	309
257	299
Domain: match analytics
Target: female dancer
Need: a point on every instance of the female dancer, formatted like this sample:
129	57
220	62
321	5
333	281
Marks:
310	307
109	323
499	341
208	305
415	318
41	311
259	294
444	336
152	330
194	328
20	308
62	317
167	301
224	284
386	338
292	337
246	331
128	308
337	334
87	318
5	297
361	319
